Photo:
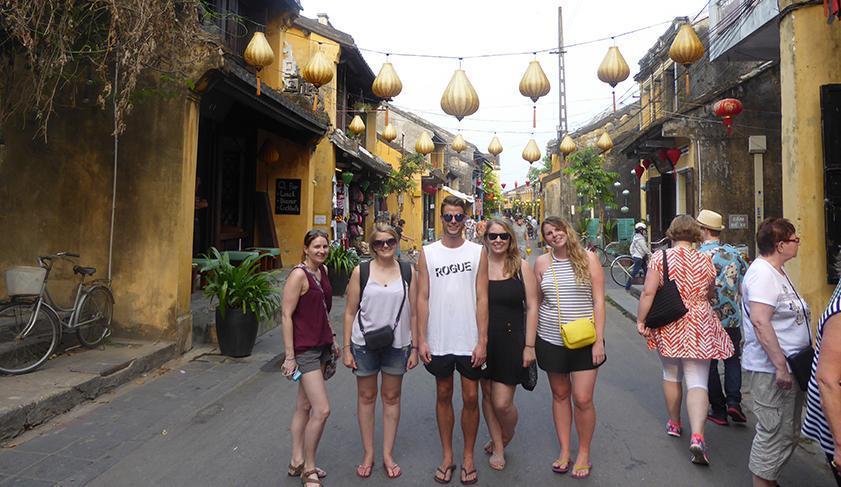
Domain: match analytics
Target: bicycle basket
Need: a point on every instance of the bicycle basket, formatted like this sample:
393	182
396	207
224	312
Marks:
25	280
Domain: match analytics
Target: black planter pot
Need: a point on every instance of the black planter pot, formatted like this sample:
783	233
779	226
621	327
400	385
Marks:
236	333
338	281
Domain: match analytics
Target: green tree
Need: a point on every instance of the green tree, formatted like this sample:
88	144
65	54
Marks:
403	179
490	185
536	171
586	170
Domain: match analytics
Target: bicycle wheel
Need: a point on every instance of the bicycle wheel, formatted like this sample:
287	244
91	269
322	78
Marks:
24	348
613	250
600	254
620	269
94	319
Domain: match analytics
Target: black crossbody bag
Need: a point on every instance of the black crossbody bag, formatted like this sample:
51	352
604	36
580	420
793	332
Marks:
383	337
801	362
667	306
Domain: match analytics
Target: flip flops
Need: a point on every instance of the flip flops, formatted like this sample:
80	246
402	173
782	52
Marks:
465	473
446	474
393	471
364	471
559	467
581	468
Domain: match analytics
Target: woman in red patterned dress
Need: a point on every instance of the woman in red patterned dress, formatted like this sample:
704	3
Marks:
687	345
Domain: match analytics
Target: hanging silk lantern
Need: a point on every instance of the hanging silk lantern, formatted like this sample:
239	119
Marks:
516	184
424	145
458	144
613	70
259	54
567	146
673	155
686	49
347	177
387	85
534	84
268	152
503	185
357	126
528	183
318	71
389	132
605	143
638	170
727	109
661	154
459	98
495	147
531	152
646	163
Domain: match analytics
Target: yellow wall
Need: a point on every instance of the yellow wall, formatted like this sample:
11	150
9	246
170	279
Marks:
412	211
808	59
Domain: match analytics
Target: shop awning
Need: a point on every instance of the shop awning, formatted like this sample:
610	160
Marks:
357	154
459	194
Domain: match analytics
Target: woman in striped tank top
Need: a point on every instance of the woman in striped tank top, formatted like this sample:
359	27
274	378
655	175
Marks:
823	399
571	286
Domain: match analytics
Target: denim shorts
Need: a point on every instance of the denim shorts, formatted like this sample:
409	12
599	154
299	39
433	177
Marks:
392	361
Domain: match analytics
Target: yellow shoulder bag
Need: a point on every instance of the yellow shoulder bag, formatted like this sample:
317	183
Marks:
577	333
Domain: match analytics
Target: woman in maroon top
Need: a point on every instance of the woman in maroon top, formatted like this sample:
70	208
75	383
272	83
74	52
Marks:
308	340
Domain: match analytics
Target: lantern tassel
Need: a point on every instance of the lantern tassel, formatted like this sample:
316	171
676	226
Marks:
386	113
258	85
687	82
613	92
534	116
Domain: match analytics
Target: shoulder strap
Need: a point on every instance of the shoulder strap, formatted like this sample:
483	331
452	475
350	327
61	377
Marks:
364	272
406	272
665	266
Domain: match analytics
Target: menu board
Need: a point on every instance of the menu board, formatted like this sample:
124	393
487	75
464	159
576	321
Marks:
287	197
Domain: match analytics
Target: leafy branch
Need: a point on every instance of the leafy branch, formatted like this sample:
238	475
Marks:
403	179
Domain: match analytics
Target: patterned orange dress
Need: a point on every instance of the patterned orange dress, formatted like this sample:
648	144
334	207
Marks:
698	334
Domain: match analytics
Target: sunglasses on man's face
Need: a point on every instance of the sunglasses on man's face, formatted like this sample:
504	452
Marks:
502	236
449	217
379	244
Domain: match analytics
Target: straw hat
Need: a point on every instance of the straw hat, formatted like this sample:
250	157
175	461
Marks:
710	220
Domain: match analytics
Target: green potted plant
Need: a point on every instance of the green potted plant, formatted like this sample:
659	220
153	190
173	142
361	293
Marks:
245	295
340	263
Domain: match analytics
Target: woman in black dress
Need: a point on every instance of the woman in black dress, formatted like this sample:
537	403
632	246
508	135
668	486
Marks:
512	327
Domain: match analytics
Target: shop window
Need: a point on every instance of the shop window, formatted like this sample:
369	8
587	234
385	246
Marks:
831	116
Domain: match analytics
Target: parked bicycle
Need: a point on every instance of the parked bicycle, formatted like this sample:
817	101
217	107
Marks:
621	266
588	245
31	323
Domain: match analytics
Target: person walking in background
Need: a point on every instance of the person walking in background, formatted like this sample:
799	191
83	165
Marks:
823	399
639	253
730	269
512	305
775	321
571	286
381	294
521	232
309	344
470	228
453	331
687	345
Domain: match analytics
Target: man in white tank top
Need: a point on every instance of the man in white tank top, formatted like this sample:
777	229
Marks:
453	330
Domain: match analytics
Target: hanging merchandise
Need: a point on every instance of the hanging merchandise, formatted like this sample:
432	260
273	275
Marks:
605	143
347	177
459	98
531	152
613	70
495	147
387	85
364	184
534	84
268	152
686	49
318	71
424	144
727	109
458	144
357	126
259	54
389	132
567	146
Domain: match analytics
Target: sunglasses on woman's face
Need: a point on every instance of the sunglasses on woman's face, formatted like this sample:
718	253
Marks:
501	236
449	217
379	244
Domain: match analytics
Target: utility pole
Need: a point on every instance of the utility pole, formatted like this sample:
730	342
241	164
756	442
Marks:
562	90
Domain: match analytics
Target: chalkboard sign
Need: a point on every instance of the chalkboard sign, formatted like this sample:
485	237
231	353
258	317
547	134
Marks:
287	197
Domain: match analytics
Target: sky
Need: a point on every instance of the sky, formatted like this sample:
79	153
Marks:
478	27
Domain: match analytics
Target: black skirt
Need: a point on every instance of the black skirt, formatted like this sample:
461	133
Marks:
506	331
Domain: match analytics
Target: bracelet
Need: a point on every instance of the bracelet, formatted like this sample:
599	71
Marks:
346	346
529	346
289	358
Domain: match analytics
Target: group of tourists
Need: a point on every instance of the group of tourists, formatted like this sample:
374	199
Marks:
479	308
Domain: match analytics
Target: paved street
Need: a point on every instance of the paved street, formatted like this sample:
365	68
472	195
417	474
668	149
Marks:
213	421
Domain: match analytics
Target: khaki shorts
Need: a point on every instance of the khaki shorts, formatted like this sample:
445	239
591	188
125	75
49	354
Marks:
777	424
313	358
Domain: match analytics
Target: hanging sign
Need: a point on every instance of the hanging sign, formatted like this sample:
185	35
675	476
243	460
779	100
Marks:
737	222
287	197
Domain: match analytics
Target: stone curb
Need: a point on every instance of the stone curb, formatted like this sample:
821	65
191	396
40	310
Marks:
53	403
625	312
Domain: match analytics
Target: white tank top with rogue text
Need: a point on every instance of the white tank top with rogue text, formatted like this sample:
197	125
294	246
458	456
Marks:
451	328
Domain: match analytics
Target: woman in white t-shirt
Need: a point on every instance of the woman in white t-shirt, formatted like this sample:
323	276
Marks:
776	325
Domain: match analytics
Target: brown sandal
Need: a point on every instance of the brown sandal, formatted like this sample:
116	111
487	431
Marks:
294	471
306	480
465	473
446	474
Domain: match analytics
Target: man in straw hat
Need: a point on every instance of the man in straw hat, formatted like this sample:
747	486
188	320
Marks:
730	268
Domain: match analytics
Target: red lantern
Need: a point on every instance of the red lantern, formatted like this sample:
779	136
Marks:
429	189
516	183
527	183
645	164
727	109
639	170
661	154
673	155
503	185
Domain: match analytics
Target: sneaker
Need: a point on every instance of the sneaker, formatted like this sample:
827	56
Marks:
673	429
719	419
736	414
698	450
